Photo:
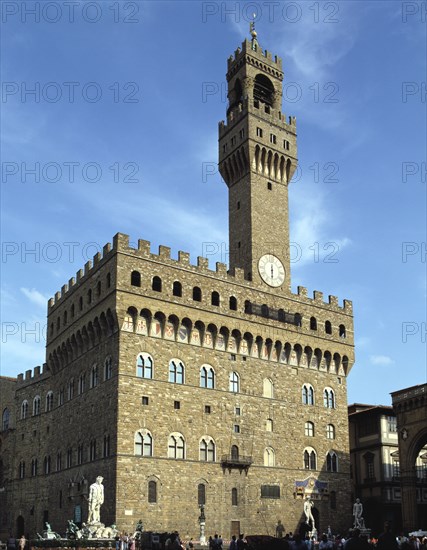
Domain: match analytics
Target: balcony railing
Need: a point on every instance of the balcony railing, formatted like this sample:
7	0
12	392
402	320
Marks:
240	462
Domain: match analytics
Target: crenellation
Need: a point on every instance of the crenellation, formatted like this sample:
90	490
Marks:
202	263
50	302
302	291
106	250
164	252
71	283
183	257
57	296
79	275
88	267
144	247
333	301
96	259
348	306
64	290
318	296
37	371
221	269
28	374
120	241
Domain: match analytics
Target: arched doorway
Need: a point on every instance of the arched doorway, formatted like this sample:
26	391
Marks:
410	405
20	527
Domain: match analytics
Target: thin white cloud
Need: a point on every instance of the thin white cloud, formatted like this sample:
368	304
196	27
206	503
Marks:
381	360
35	296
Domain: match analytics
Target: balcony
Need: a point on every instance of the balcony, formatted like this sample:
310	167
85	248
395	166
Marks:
241	462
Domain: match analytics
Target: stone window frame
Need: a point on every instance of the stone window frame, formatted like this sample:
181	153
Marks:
145	444
268	388
269	423
309	428
5	419
49	401
153	482
269	457
150	369
234	382
307	392
37	405
207	449
207	375
108	368
24	409
176	446
332	461
329	398
330	431
94	376
310	458
176	372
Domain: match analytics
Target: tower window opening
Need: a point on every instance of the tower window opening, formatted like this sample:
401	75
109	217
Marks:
273	138
263	90
269	186
238	205
233	140
259	132
242	133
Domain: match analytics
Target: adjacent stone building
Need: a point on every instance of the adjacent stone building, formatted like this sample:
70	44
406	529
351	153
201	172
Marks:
376	464
183	385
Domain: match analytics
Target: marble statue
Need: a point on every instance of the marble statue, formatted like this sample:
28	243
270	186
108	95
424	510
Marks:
96	499
358	515
308	506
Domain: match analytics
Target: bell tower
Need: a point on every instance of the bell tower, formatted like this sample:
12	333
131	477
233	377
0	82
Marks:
257	159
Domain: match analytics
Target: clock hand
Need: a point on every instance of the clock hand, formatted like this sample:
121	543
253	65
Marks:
272	271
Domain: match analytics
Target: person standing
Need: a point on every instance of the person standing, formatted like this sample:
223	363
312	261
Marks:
22	543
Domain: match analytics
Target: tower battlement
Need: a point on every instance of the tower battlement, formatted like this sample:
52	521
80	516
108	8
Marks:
258	53
122	245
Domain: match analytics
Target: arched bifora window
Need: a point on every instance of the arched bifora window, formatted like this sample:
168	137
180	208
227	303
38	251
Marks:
207	449
310	459
176	446
332	462
329	398
143	443
308	394
207	377
176	371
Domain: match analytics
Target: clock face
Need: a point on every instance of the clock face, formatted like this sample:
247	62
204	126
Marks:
271	270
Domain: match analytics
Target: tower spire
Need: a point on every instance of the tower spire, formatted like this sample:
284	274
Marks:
253	33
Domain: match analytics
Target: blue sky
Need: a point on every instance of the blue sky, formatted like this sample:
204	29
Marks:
122	134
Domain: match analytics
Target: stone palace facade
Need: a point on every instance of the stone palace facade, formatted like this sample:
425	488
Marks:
181	385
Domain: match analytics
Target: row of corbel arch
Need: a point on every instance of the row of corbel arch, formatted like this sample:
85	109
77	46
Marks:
83	339
170	327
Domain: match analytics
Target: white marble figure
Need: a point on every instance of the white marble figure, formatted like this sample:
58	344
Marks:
358	515
308	506
96	499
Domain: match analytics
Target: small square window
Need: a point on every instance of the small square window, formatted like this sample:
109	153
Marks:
207	409
237	411
339	380
236	428
177	405
244	358
144	400
269	186
232	357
